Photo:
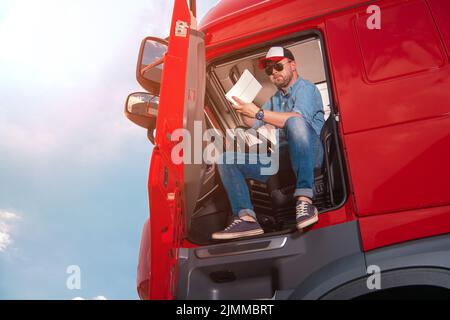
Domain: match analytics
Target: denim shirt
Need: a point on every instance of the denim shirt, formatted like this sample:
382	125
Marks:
302	97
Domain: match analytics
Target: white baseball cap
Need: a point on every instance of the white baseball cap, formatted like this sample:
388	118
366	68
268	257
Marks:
276	54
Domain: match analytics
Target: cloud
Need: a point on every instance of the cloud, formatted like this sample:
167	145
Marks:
23	139
95	298
71	40
51	108
69	97
5	229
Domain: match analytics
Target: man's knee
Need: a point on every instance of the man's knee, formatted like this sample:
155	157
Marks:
296	129
295	122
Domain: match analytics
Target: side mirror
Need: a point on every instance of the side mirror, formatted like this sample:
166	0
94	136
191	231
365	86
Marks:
141	108
150	64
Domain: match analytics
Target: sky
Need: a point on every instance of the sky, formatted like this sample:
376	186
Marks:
73	169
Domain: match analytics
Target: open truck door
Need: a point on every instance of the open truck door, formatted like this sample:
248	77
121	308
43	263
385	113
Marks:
173	185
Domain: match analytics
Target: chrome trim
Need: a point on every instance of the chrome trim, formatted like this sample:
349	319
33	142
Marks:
231	249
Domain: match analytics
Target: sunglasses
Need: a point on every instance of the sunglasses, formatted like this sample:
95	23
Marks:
277	66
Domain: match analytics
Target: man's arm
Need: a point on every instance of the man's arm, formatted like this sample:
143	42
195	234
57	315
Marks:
249	110
249	122
278	119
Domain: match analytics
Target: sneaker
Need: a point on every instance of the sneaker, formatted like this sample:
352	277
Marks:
239	228
306	214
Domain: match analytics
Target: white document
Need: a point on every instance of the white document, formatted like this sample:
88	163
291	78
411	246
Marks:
246	89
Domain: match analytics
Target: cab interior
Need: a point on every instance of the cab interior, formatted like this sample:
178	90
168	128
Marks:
273	201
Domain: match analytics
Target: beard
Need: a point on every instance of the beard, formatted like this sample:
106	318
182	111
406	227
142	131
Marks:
282	81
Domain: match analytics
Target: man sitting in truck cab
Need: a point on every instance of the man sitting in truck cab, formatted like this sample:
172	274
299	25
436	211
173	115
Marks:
297	110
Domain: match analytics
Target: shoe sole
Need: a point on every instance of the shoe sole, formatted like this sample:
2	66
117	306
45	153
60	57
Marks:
229	236
308	222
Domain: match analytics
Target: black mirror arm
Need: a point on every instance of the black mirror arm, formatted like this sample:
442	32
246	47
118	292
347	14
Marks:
150	136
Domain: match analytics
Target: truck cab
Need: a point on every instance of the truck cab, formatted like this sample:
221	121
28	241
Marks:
383	192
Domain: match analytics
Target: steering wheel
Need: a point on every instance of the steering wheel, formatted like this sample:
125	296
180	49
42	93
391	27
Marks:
257	135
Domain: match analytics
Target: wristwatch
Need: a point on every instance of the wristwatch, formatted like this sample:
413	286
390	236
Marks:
260	115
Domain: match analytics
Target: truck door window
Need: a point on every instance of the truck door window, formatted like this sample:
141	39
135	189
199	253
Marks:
308	53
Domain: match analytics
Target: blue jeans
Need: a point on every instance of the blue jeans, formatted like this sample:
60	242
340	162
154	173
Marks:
302	147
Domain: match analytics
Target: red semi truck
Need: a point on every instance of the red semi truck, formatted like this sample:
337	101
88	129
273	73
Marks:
383	193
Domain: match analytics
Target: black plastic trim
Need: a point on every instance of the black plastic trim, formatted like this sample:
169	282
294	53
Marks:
423	262
310	263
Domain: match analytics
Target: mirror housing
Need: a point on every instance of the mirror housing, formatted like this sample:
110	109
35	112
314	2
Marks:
150	64
141	108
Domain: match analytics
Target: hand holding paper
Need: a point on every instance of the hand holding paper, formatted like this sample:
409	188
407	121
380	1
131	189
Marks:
246	109
246	89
